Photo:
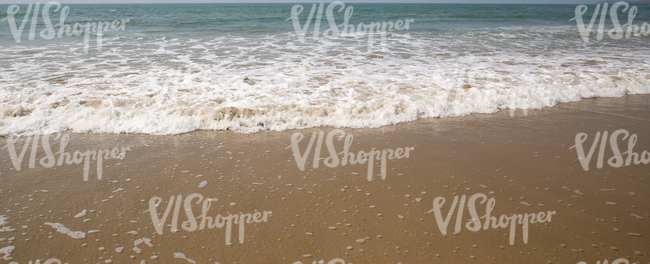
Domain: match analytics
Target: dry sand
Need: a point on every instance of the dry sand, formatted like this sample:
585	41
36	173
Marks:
524	162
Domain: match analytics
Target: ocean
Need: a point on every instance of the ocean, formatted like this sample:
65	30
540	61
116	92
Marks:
177	68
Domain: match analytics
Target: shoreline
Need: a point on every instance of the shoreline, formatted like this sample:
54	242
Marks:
524	162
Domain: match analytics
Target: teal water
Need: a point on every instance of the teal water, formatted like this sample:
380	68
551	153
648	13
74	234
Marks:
182	67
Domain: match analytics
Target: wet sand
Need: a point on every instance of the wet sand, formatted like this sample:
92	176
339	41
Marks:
524	162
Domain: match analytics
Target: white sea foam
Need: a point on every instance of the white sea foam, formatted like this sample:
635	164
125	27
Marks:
179	255
7	251
64	230
144	240
275	82
82	214
3	221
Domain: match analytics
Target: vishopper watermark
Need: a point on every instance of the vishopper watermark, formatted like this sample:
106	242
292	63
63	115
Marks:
50	160
474	224
322	261
191	224
346	157
49	32
617	261
38	261
512	112
618	31
347	29
618	159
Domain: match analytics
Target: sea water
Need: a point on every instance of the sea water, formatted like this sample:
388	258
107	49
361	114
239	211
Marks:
176	68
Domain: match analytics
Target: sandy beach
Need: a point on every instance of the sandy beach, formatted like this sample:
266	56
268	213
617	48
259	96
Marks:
519	163
201	132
